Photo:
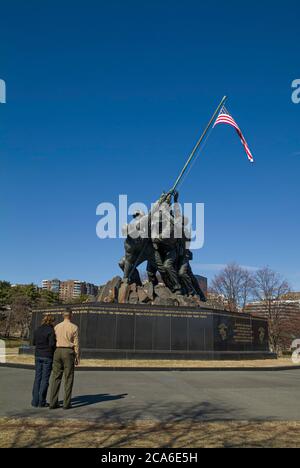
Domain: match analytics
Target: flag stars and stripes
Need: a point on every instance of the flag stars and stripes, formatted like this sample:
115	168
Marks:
225	118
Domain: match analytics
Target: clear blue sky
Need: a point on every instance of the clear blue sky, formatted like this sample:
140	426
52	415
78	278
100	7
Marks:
108	98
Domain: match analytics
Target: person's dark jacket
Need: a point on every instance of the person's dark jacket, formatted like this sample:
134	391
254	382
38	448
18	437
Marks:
44	341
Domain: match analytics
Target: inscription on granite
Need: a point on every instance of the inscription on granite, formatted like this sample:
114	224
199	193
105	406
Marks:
147	330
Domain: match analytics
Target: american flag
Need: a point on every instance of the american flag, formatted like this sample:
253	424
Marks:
225	118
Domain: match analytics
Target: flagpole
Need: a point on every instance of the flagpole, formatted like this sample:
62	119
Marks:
193	153
135	265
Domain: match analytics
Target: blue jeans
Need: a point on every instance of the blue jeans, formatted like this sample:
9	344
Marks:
43	368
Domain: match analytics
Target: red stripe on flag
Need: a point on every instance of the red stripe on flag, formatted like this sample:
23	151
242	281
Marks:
225	118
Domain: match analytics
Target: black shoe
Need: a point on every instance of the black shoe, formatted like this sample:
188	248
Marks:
44	405
68	407
54	407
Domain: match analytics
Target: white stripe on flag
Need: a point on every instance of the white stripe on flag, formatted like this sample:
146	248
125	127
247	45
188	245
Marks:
225	118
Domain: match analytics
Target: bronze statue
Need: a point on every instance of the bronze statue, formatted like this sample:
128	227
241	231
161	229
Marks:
165	249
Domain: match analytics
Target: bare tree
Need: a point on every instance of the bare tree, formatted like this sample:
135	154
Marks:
21	313
5	289
235	285
7	323
269	288
5	311
290	330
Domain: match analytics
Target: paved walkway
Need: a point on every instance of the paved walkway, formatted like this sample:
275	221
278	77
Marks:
163	396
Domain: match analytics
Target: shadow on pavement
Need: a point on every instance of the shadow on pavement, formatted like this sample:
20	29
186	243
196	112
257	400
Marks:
87	400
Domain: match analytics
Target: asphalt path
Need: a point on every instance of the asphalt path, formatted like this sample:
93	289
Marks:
162	396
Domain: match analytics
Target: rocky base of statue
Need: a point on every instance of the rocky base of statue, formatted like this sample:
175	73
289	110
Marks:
118	291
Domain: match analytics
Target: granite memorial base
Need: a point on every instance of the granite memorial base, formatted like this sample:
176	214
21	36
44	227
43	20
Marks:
123	331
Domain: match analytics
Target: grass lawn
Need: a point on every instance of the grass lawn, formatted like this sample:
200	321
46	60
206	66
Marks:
13	357
148	434
13	342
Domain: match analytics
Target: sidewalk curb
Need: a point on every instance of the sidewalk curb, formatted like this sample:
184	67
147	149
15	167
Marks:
163	369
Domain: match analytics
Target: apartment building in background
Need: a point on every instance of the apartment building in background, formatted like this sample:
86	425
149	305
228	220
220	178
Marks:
70	289
51	285
288	310
284	318
91	289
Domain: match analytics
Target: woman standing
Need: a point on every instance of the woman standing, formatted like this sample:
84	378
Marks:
45	342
